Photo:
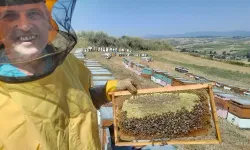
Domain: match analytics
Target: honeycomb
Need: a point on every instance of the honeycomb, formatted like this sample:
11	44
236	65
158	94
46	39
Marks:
164	115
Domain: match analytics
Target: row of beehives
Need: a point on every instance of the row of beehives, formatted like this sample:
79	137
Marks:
105	49
120	54
236	109
234	89
79	54
114	52
100	76
131	54
181	69
158	76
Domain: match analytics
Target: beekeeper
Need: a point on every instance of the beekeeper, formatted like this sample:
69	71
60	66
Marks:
46	98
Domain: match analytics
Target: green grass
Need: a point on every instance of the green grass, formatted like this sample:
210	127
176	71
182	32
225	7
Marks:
214	46
222	73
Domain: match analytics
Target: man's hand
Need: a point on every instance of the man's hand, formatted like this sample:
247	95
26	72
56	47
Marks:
127	84
99	94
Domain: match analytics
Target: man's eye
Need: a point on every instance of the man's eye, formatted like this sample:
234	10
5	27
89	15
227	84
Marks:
9	16
34	14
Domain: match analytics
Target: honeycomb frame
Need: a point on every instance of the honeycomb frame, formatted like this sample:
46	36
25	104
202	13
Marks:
143	142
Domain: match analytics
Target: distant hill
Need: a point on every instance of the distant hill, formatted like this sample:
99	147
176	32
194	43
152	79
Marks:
204	34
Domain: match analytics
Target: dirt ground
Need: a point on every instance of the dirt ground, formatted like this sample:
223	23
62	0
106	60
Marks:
233	138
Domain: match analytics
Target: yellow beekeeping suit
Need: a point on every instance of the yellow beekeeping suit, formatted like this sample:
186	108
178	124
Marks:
52	113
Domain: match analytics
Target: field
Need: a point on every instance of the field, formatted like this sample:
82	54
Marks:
235	49
237	46
232	137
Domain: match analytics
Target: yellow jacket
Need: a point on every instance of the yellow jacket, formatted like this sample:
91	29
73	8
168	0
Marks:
53	113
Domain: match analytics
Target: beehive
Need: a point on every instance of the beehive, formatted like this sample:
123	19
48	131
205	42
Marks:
222	100
238	90
240	108
165	113
247	93
222	104
177	81
186	82
237	121
189	75
131	64
146	73
168	78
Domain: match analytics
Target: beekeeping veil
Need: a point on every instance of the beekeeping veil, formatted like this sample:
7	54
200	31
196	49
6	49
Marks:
35	37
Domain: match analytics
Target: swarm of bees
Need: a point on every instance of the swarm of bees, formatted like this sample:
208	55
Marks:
168	124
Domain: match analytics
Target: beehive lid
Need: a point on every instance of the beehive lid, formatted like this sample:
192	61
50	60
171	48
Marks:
158	76
157	70
99	70
100	78
160	71
141	66
100	73
217	90
172	75
178	78
106	113
95	68
202	81
168	75
187	81
91	61
147	70
229	96
241	101
92	65
96	83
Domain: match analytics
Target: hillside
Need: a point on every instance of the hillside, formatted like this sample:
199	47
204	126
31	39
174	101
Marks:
101	39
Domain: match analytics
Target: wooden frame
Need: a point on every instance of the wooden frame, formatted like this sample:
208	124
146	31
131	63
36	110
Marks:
218	139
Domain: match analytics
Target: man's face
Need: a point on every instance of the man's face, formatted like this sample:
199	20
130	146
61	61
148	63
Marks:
24	30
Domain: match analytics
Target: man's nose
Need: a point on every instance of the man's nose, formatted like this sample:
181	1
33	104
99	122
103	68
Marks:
24	23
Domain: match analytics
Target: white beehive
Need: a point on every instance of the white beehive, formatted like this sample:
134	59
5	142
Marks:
239	122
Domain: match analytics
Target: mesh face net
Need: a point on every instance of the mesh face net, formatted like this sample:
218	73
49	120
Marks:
35	37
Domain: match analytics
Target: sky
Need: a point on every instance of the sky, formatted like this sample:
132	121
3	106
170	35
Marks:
160	17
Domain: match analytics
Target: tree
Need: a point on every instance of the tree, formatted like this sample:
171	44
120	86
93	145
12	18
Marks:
248	55
183	50
101	39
